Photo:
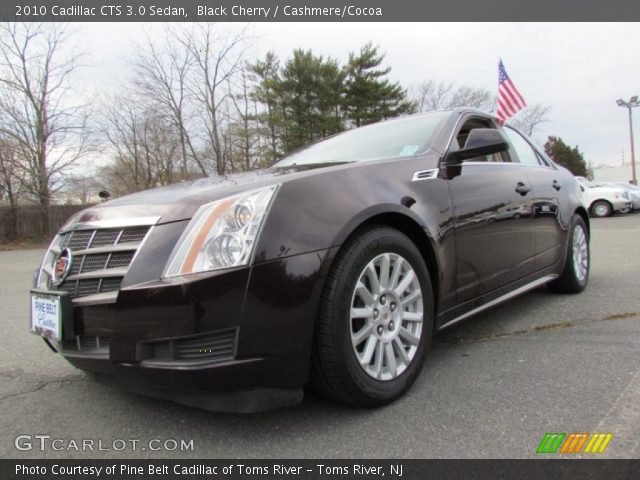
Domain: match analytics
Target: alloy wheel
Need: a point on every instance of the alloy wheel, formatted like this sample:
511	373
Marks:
386	316
601	210
580	253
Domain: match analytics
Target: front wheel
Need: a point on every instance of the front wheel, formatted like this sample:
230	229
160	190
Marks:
375	320
601	209
575	275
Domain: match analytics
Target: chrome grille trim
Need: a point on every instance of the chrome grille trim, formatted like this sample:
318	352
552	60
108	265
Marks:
104	273
97	298
112	224
96	272
110	249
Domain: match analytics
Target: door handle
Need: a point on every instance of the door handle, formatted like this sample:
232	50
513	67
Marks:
522	189
556	185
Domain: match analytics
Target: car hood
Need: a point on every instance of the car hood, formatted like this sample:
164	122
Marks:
179	201
606	190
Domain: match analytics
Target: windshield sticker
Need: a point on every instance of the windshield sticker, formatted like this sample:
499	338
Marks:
409	150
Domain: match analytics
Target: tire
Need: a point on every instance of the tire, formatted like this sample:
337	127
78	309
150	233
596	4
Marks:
342	344
601	209
574	279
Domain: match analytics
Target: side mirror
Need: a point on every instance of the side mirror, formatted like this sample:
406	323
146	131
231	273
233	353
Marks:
481	141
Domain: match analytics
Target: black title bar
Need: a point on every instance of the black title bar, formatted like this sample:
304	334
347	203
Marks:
319	469
317	11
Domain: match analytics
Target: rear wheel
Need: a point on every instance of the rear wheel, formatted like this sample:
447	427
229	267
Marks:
601	208
375	321
575	275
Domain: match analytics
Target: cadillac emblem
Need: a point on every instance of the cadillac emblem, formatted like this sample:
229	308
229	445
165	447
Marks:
62	266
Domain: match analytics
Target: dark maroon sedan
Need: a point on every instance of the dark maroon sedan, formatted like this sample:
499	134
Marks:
332	269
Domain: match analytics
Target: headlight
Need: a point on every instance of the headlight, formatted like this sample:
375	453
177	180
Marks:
221	234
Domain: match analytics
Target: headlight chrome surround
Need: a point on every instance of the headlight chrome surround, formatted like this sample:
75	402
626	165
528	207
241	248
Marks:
222	234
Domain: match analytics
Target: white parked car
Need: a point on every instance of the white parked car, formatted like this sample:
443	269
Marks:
632	190
604	201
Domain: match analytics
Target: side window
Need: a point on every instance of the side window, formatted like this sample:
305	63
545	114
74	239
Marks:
525	152
463	133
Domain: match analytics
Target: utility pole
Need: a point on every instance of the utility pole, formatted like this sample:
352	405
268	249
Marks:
633	102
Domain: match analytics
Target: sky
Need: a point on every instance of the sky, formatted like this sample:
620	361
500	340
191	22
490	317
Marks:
579	69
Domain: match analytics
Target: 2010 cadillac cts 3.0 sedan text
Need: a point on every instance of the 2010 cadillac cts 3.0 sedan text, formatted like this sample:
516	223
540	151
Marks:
332	269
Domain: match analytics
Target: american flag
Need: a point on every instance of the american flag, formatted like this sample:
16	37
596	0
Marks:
509	99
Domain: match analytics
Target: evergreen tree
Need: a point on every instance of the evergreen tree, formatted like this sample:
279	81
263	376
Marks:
563	154
266	91
311	95
369	96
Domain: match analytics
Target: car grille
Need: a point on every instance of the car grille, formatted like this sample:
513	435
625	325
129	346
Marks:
213	348
85	346
210	348
100	259
84	343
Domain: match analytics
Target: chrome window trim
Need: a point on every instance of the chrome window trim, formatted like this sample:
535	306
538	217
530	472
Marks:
511	164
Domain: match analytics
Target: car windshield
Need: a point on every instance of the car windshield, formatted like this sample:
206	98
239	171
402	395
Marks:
585	182
403	137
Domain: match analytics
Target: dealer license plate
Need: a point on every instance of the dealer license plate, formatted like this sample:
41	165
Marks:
46	315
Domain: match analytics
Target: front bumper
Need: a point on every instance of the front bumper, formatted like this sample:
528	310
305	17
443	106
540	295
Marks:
247	329
620	204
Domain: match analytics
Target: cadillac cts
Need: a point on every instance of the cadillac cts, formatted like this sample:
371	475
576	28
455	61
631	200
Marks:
332	269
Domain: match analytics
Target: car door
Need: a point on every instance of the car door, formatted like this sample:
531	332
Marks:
492	203
548	196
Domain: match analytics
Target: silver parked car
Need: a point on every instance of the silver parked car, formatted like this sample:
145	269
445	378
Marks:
632	190
604	201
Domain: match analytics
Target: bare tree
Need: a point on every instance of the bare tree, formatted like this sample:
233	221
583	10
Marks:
529	119
465	96
218	57
145	145
11	183
432	95
37	113
82	188
162	74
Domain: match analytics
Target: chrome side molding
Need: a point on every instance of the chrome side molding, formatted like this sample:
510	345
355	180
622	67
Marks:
496	301
424	175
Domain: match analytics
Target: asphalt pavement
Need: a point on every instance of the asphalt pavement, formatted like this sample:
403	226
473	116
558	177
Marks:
491	387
